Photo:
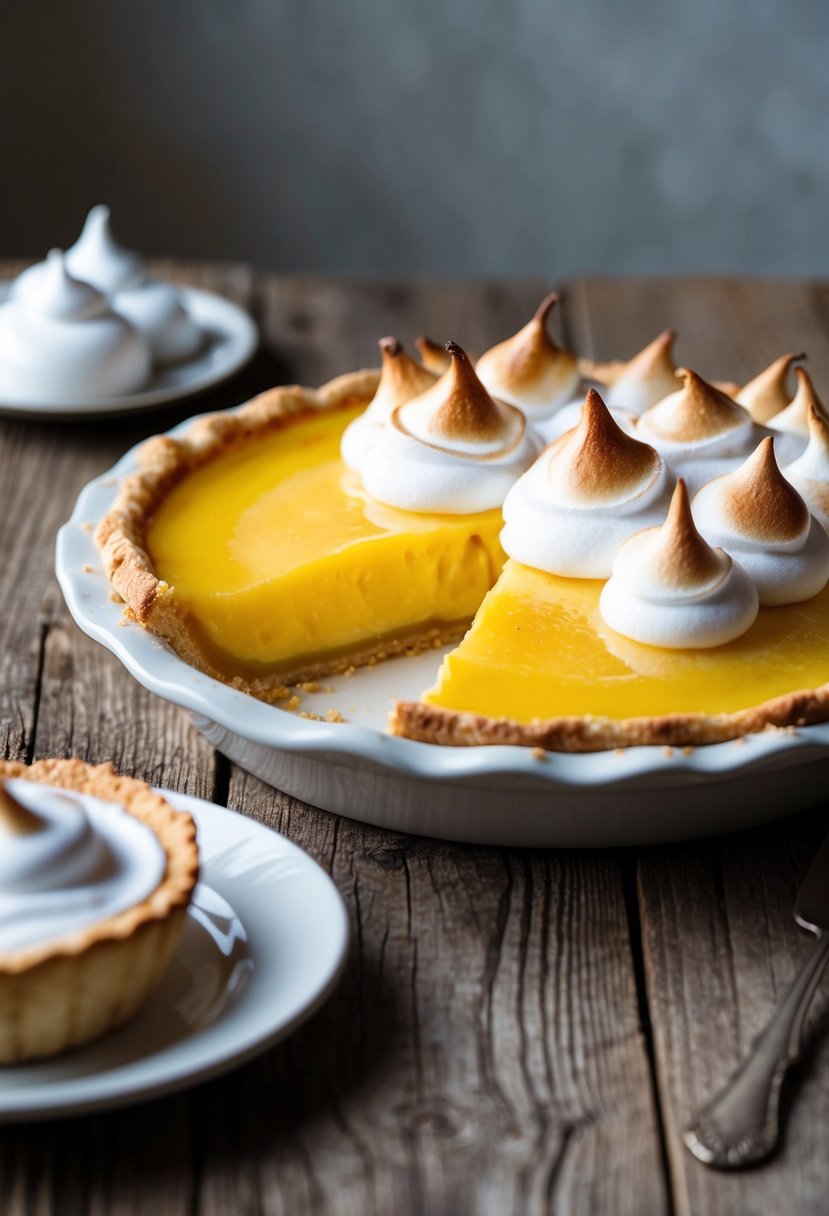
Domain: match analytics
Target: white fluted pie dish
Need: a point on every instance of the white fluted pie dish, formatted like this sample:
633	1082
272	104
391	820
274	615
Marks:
491	795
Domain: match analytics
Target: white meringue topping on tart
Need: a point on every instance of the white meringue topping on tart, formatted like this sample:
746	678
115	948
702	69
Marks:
700	431
809	474
768	393
452	449
401	379
529	370
67	861
586	493
669	588
61	341
761	520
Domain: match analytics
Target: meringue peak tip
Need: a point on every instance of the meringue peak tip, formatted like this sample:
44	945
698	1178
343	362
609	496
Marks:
390	346
546	306
456	351
16	818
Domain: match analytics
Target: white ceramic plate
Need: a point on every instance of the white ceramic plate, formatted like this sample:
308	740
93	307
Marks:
265	943
489	795
232	339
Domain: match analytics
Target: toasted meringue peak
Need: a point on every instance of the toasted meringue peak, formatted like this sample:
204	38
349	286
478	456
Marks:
675	555
591	490
16	819
670	588
451	450
434	357
759	503
761	520
809	474
794	419
649	377
529	369
694	413
597	462
768	393
401	379
458	412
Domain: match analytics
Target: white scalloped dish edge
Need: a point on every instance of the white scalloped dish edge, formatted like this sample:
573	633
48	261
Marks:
154	664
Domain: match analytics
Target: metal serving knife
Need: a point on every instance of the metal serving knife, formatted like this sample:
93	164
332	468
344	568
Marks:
740	1126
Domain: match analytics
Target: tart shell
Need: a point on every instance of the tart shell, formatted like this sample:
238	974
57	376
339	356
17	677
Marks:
72	989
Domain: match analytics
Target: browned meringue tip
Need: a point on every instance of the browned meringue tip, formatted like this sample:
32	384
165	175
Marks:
767	394
597	460
696	411
460	408
433	356
684	557
818	426
14	817
546	307
760	501
401	376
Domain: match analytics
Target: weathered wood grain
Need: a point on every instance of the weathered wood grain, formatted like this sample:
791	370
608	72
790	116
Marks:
720	943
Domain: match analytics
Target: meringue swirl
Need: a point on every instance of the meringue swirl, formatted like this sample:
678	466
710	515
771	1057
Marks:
68	861
529	370
585	494
700	431
401	379
671	589
452	450
761	520
61	341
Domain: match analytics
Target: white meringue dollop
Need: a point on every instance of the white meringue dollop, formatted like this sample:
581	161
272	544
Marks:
401	379
701	432
809	474
62	341
451	450
529	370
671	589
97	258
584	496
68	861
758	517
157	310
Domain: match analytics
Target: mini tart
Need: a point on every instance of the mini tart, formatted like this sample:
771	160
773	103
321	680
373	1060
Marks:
250	547
73	989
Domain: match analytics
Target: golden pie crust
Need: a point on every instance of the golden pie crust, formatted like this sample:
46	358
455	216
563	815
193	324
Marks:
71	990
434	724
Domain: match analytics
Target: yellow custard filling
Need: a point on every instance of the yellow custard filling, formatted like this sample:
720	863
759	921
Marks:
274	553
539	649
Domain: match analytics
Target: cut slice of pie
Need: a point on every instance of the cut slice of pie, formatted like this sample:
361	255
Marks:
254	551
540	668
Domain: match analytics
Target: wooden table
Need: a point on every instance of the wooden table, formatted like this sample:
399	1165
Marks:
516	1031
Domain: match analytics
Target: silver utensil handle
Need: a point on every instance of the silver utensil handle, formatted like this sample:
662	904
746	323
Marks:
740	1126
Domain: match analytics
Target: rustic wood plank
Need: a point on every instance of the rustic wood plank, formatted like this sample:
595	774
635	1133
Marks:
720	942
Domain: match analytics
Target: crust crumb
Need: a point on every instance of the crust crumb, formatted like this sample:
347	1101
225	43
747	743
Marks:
687	751
334	715
667	751
618	751
309	686
538	753
87	526
87	569
350	671
291	702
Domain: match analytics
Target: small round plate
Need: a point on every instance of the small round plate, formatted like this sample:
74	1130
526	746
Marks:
231	341
265	943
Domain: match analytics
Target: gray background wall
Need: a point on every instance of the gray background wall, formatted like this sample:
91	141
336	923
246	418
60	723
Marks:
429	137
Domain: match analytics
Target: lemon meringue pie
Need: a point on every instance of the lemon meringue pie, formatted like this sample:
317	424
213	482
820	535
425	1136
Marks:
315	530
96	873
